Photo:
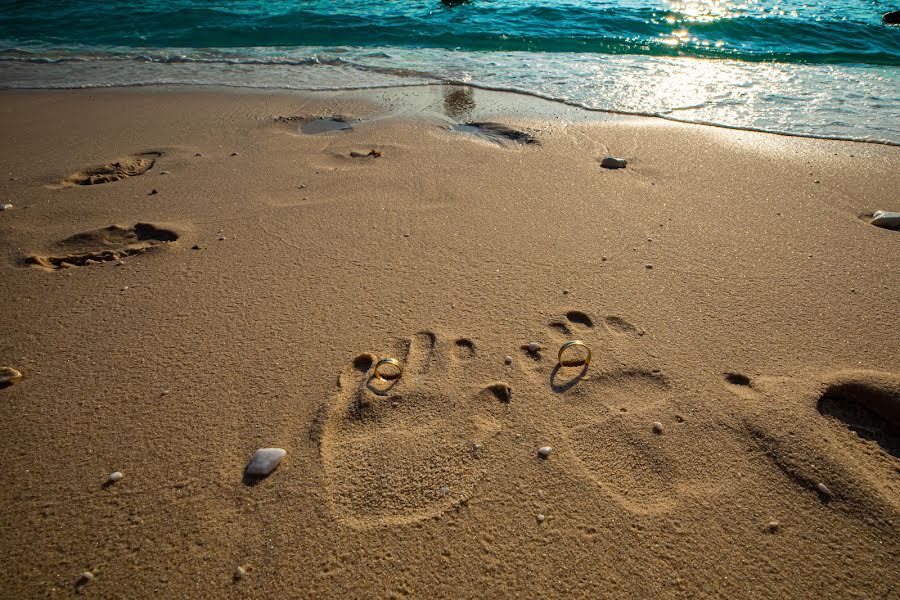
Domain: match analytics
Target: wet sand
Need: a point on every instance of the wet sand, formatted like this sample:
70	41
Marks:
226	282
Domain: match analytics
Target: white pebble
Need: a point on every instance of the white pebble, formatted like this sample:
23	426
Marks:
534	347
234	153
115	476
5	207
163	172
221	238
264	461
544	451
476	449
823	489
507	359
239	573
540	518
657	427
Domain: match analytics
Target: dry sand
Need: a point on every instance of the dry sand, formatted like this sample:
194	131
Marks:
763	340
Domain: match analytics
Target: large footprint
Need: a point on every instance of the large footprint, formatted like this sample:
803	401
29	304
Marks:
606	411
842	431
413	450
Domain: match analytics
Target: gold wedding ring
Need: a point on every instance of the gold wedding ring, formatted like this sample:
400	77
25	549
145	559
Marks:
387	361
571	344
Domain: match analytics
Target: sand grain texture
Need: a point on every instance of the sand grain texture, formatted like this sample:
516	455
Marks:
279	274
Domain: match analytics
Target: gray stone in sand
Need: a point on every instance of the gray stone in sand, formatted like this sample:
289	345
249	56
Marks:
5	207
545	451
115	476
823	489
611	162
657	427
534	347
239	573
264	461
507	359
886	219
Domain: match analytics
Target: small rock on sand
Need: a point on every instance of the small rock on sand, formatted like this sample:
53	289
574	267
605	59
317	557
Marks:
648	266
611	162
533	347
234	153
657	428
8	375
823	489
83	580
545	451
443	490
264	461
115	477
5	207
540	518
774	526
886	219
507	360
239	573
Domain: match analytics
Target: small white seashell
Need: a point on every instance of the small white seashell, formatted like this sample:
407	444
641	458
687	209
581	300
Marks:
264	461
544	451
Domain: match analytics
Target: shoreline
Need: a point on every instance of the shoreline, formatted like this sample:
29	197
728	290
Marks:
444	83
226	280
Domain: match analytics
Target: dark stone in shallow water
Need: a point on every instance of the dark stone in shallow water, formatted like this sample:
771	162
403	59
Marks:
891	18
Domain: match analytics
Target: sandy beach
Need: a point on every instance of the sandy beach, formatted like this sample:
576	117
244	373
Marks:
187	276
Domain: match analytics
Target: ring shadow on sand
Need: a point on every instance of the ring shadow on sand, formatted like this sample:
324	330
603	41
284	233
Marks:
560	385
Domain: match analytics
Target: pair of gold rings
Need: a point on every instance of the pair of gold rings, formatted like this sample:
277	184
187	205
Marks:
571	345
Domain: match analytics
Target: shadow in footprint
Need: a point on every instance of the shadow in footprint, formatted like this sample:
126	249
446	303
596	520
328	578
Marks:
409	453
496	133
103	245
867	407
563	382
114	171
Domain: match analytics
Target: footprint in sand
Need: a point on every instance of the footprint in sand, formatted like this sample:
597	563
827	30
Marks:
496	133
842	430
606	410
415	448
114	171
103	245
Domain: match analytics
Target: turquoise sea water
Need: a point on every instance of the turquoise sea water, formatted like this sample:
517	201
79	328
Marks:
806	67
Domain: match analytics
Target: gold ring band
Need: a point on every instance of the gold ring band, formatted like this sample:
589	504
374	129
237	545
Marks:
387	361
570	344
